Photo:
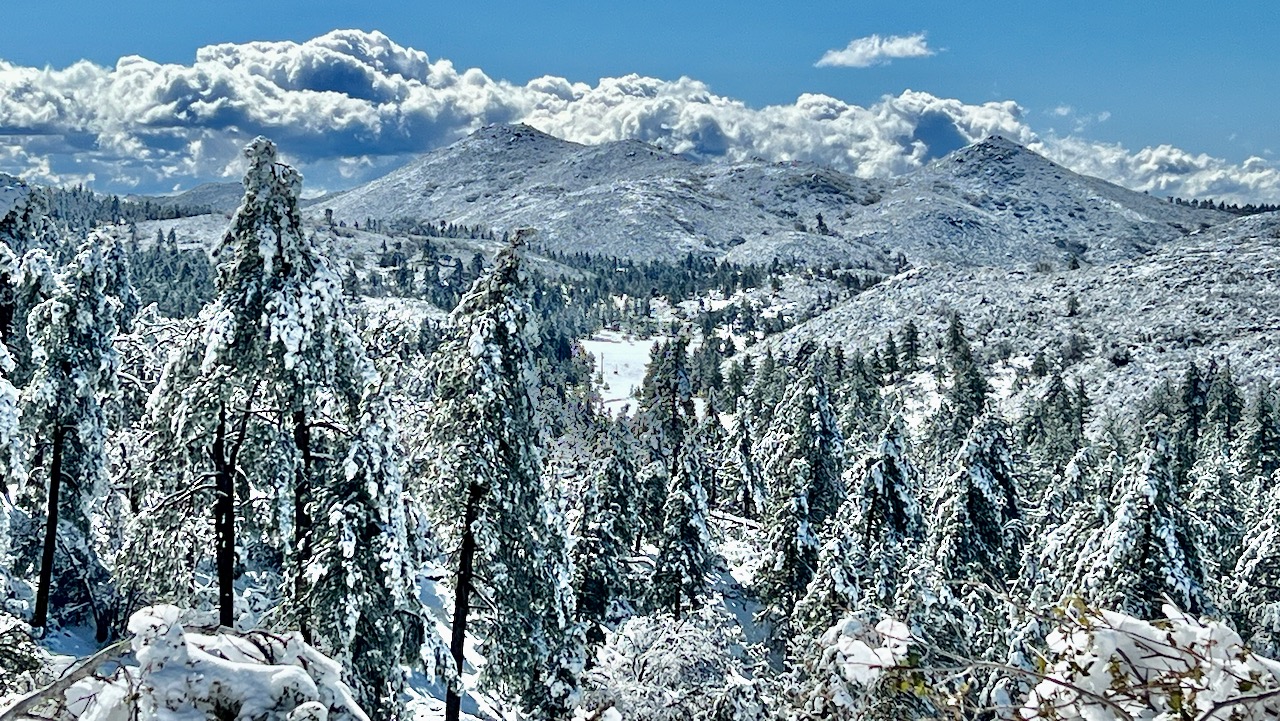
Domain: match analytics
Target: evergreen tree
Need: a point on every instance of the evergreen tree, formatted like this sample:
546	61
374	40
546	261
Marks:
1254	586
877	528
714	442
741	480
1146	553
486	478
965	398
75	364
604	534
685	553
977	533
805	438
910	347
266	397
668	420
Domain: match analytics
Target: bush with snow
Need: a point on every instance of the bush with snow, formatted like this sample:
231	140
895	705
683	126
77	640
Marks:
182	674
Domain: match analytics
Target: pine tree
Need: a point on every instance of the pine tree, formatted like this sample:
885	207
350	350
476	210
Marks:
910	347
684	541
667	419
1254	586
75	363
742	481
965	399
877	528
486	435
275	398
805	437
714	442
1146	552
977	532
604	533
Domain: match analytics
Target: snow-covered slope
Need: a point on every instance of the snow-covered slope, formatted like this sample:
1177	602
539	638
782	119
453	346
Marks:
998	203
1211	295
992	203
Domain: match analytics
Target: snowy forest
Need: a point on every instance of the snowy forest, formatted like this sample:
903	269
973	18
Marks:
293	478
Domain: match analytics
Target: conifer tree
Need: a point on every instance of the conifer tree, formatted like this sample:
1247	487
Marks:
1253	589
275	398
668	421
605	532
486	478
877	528
714	442
804	437
977	534
910	347
75	364
965	398
1146	552
742	481
684	541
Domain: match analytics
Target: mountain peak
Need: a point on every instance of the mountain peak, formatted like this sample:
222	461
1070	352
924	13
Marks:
512	133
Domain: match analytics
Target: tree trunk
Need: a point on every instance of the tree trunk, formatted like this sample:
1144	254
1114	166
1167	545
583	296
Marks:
224	524
462	596
40	618
302	494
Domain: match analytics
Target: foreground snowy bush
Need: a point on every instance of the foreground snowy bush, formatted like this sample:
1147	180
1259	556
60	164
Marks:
656	668
1106	666
183	674
1097	666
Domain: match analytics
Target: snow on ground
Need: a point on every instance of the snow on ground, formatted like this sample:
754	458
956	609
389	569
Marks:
621	360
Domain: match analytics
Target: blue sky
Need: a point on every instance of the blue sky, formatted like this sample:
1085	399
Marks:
1199	77
1136	74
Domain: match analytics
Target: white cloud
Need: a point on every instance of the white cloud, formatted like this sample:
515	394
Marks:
349	105
876	50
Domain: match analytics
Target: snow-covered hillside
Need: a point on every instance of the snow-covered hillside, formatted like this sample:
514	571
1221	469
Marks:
1210	295
992	203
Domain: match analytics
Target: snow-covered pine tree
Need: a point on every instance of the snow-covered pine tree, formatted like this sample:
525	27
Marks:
1258	455
804	437
876	530
265	398
24	223
667	423
35	282
965	397
120	276
605	532
1253	589
1146	552
862	411
714	442
486	480
741	479
685	553
13	465
792	551
1052	430
977	526
74	362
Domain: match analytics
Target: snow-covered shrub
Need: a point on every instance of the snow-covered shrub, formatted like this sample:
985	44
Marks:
656	668
23	664
1106	666
855	670
183	674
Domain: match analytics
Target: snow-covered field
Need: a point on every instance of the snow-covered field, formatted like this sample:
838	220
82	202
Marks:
620	361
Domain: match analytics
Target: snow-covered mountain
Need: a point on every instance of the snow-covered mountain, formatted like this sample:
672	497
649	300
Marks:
1212	295
992	203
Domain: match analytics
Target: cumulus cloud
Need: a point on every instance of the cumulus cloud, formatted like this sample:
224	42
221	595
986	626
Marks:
876	50
349	105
